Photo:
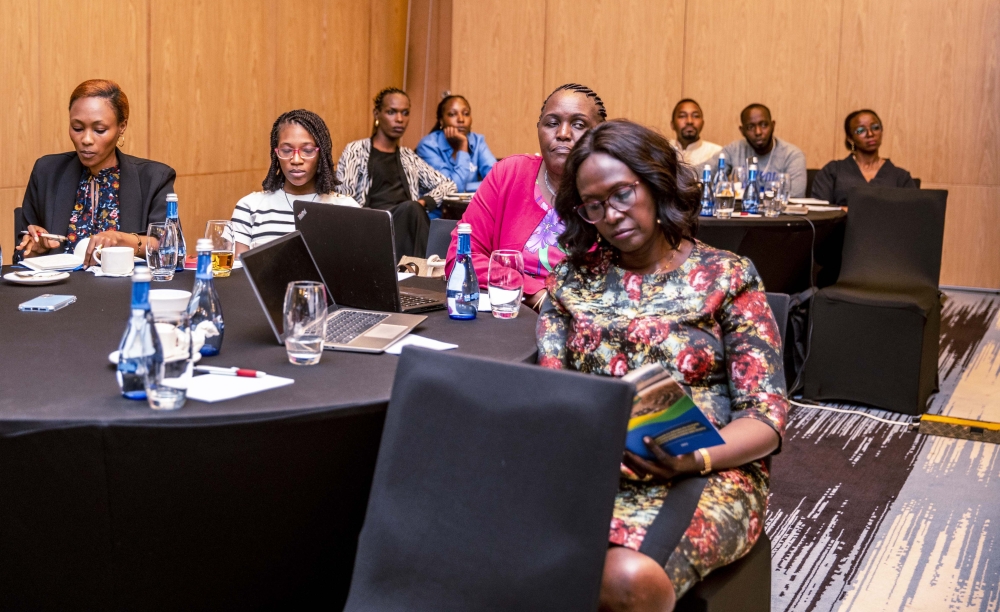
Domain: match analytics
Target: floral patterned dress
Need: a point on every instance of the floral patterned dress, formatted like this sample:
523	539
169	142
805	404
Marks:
709	324
96	207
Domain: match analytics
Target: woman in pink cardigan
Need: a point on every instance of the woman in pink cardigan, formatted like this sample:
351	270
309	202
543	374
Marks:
514	206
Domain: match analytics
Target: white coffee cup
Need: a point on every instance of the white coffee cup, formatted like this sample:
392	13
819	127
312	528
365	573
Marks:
115	260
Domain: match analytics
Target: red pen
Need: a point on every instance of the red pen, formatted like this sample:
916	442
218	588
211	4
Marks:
232	371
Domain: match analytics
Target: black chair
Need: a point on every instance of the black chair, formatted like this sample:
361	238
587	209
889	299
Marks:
875	333
917	181
810	177
439	237
779	306
744	585
493	490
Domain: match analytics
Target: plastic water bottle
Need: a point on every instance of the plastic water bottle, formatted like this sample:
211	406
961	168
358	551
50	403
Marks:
173	217
463	286
707	196
720	173
751	195
139	353
205	309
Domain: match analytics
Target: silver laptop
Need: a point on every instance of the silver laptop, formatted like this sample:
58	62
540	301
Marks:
270	267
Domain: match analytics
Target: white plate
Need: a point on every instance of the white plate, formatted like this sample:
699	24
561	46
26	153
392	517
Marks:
113	357
43	278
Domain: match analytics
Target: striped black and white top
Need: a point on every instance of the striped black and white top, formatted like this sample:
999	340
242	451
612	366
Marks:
263	216
421	179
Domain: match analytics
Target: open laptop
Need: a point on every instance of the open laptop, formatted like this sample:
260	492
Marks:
270	267
356	252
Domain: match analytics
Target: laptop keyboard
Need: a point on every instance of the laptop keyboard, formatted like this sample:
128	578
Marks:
347	325
408	300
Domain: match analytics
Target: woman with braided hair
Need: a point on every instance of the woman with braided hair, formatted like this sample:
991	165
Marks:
514	207
301	169
380	173
453	149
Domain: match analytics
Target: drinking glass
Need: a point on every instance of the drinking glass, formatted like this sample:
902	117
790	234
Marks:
305	321
771	203
786	188
161	250
221	233
739	180
167	382
725	199
505	279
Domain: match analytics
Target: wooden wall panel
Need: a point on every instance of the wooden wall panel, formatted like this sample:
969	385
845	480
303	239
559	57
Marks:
212	86
587	46
18	71
428	69
322	76
387	58
498	66
971	255
212	196
118	55
932	72
781	53
10	198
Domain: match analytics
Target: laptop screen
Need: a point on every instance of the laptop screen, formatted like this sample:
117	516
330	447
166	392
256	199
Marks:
272	266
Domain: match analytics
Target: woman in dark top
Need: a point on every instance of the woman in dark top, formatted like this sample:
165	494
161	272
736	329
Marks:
863	166
379	173
96	192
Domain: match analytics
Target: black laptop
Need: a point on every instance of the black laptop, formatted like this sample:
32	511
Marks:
356	253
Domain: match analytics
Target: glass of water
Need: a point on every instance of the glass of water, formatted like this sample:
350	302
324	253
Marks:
161	250
167	382
221	233
305	321
506	283
725	199
739	180
786	188
771	203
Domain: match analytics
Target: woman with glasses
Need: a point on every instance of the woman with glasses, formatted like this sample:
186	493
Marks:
95	192
863	166
453	149
514	206
636	288
301	169
380	173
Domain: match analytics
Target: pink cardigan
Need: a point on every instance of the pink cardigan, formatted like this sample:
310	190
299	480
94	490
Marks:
503	214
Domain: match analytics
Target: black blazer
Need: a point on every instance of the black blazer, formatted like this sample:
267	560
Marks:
142	192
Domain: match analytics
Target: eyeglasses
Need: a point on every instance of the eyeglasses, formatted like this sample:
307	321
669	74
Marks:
621	200
288	152
875	127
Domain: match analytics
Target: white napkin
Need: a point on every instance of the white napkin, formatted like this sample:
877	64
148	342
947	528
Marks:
415	340
97	271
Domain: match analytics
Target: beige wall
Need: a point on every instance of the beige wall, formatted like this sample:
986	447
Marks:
930	68
205	81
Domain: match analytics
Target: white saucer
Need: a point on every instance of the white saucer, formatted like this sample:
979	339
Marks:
113	357
42	278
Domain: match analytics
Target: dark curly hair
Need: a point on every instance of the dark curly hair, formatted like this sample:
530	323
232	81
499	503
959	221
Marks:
380	96
649	155
440	110
326	179
580	89
850	117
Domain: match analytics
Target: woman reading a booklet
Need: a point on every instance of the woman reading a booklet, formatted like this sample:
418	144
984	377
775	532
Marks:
636	288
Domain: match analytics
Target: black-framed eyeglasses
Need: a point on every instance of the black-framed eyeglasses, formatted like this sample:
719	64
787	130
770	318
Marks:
307	152
621	200
875	127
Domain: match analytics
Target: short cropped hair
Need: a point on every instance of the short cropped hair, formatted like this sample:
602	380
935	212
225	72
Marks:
678	105
753	106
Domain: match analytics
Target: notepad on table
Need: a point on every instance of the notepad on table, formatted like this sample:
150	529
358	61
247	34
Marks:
216	388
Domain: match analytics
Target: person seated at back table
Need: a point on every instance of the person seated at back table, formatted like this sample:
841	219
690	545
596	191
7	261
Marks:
863	166
636	288
301	169
381	174
513	208
687	122
453	149
774	156
96	191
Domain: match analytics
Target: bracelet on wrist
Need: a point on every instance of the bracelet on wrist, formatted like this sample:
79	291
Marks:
706	460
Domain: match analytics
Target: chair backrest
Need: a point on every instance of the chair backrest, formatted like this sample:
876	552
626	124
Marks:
917	182
493	490
810	177
779	306
893	237
19	224
439	237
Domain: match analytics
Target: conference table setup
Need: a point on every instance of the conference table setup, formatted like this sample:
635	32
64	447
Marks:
122	505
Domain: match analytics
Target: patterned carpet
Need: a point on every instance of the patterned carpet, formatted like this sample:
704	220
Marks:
865	516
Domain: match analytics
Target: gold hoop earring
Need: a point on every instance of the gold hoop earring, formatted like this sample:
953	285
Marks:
121	141
376	122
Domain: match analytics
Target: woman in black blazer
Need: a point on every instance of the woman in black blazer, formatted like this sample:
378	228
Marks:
96	191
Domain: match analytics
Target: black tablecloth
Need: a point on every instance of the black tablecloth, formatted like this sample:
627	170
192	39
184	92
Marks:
246	504
780	247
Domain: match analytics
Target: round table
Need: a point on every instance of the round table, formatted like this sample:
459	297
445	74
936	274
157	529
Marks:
781	247
249	503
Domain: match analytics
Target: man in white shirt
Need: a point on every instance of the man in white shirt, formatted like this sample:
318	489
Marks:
687	122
